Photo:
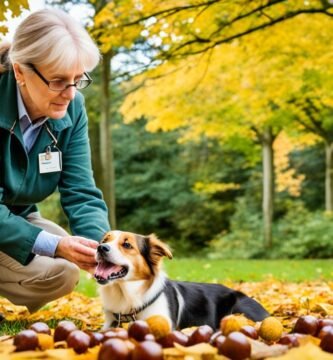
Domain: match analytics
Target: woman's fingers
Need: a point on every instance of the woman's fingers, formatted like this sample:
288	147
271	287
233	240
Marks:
78	250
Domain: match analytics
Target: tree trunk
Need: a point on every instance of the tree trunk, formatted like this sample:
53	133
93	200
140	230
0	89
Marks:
329	177
106	149
268	185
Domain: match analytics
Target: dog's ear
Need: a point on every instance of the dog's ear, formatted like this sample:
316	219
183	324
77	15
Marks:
158	248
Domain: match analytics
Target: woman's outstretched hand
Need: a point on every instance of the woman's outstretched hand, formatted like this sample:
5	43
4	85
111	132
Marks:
79	250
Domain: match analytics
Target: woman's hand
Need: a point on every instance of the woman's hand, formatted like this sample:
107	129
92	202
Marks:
79	250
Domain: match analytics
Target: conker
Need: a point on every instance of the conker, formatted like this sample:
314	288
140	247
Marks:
200	335
138	329
147	350
63	329
26	340
324	322
290	339
306	324
79	341
327	342
215	335
149	337
219	341
114	349
249	331
95	338
40	327
175	336
324	330
120	334
236	346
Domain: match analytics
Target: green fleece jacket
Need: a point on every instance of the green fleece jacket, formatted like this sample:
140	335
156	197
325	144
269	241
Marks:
22	186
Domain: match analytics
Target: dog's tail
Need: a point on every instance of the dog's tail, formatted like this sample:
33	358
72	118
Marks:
253	310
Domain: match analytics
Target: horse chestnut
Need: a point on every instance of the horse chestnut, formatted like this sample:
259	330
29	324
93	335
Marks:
119	333
327	342
201	335
63	329
95	338
324	322
114	349
175	336
26	340
147	350
213	338
40	327
324	330
79	341
236	346
306	324
249	331
290	339
138	329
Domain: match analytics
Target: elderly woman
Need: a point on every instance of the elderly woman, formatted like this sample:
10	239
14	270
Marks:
44	145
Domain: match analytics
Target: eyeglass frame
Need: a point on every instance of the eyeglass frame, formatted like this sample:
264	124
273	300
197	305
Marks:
47	82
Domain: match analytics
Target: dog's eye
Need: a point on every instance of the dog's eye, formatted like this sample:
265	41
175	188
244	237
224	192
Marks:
127	245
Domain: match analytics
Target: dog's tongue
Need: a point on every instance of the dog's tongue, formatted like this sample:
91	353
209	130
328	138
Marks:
104	270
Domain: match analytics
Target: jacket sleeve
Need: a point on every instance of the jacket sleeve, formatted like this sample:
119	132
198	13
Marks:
81	200
17	234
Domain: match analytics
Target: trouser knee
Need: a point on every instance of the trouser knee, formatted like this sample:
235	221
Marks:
62	277
58	281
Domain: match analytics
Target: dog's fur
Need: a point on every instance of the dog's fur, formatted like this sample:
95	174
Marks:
132	283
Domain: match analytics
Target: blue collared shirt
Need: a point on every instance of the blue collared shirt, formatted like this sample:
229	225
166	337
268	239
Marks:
46	243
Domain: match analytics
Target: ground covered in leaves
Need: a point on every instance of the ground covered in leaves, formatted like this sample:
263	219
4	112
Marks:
286	301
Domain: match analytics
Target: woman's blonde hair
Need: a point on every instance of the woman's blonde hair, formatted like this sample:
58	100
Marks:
53	38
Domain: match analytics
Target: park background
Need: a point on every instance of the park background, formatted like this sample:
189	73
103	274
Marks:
211	125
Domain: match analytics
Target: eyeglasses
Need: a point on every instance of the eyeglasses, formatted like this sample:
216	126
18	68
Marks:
61	85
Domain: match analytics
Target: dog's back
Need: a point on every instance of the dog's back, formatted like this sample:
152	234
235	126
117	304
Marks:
195	304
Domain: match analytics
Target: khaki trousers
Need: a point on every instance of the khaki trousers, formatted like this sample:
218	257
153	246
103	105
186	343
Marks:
44	279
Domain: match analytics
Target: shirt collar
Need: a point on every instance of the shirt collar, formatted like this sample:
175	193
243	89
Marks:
24	117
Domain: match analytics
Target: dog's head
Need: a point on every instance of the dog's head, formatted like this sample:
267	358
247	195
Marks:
127	256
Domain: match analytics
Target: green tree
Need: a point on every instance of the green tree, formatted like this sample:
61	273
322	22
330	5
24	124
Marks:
162	185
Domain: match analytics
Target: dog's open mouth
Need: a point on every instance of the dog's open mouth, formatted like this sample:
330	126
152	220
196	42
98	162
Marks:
106	271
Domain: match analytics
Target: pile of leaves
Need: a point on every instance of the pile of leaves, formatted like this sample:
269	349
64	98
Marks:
285	301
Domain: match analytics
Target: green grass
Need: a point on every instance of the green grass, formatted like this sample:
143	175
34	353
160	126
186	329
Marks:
205	270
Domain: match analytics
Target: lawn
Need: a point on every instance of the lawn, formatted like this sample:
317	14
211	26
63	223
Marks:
204	270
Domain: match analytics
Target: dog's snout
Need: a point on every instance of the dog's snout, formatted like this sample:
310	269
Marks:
103	248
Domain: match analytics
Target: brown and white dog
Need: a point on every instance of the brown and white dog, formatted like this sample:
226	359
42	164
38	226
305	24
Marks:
135	287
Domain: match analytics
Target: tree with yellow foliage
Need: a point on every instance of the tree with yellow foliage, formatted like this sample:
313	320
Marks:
13	7
246	89
183	30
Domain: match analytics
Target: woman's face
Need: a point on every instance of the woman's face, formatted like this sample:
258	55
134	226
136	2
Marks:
38	99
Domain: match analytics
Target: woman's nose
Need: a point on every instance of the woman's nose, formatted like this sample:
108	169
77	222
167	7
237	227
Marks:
69	93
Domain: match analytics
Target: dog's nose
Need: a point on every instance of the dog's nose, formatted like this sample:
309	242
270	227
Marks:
103	248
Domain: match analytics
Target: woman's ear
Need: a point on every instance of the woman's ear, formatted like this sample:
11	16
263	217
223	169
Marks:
19	76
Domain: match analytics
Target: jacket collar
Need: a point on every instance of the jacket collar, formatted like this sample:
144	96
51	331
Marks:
8	106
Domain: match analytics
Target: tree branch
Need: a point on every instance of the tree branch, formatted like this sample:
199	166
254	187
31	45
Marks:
173	53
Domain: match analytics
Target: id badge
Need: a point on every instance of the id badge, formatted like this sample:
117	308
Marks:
49	162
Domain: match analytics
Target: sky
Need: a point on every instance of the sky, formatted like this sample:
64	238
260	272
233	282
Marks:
77	12
13	22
